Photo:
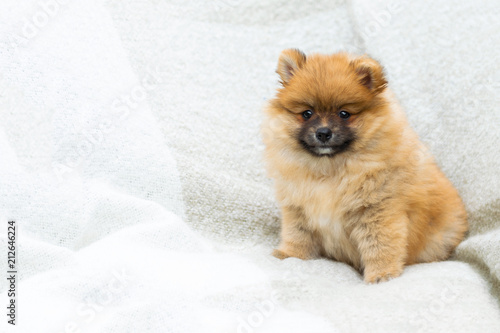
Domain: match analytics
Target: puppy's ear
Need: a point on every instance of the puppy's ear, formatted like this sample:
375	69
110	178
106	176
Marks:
370	73
289	62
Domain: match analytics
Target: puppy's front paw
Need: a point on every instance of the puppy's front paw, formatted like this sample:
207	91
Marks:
280	254
288	251
382	275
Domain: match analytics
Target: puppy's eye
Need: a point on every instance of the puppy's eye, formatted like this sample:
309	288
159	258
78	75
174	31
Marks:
307	114
344	114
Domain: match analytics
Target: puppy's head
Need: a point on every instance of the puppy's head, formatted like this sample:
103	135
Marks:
327	103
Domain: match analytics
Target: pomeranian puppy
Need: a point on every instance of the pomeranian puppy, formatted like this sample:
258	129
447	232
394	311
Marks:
354	182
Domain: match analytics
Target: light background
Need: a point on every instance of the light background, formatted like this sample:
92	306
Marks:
130	158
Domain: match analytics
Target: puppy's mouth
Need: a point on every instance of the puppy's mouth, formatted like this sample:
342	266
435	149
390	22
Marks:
325	150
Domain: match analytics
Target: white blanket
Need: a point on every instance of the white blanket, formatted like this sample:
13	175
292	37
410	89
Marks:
131	163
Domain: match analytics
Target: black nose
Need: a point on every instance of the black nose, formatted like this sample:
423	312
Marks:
324	134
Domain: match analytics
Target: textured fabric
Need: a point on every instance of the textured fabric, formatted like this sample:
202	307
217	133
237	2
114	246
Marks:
132	163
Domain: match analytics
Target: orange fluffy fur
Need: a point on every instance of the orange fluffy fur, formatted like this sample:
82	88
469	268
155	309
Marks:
378	205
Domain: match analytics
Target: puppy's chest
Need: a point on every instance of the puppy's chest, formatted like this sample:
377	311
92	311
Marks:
320	200
324	210
334	236
315	196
